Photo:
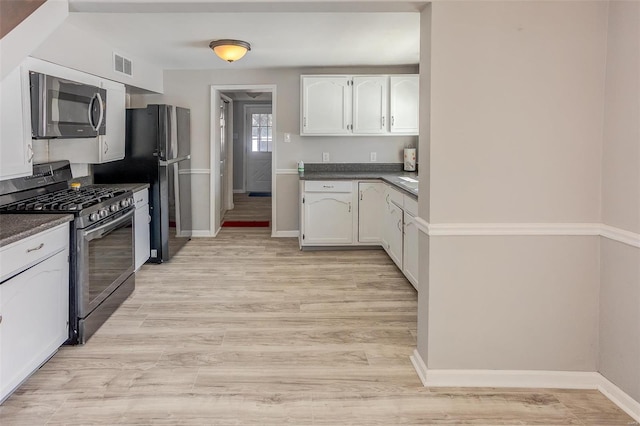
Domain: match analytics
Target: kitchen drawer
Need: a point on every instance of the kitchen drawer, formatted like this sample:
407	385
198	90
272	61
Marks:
395	196
25	253
411	205
328	186
141	197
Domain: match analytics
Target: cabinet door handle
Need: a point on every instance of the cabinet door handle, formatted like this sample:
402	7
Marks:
349	206
30	153
35	248
304	121
387	199
393	120
400	226
0	319
106	147
383	121
360	195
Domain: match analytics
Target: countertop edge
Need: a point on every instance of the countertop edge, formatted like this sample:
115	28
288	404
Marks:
16	227
384	176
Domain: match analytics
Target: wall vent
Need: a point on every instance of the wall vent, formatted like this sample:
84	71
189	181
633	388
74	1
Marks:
122	65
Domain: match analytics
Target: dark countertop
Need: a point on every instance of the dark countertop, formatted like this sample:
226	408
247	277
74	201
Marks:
135	187
15	227
390	175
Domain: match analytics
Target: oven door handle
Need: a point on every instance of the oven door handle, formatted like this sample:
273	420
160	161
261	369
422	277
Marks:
108	227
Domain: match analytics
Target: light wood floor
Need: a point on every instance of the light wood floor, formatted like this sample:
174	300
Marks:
247	330
249	208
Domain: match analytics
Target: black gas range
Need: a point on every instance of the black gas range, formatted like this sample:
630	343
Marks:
101	239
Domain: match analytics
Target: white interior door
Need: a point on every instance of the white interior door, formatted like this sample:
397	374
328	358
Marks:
224	179
259	145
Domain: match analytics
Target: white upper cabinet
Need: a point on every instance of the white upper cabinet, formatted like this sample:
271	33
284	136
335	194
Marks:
334	105
112	144
16	150
370	100
404	100
326	105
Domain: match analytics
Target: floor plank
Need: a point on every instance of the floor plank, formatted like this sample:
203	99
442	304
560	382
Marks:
245	329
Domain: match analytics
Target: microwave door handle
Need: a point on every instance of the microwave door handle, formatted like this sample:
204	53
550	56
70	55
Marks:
101	105
90	112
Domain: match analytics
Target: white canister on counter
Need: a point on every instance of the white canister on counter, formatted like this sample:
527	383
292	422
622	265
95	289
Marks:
409	159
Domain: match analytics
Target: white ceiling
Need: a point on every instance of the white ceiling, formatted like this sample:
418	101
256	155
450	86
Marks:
179	40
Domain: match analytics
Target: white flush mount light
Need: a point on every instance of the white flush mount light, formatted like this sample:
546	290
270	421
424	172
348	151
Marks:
230	50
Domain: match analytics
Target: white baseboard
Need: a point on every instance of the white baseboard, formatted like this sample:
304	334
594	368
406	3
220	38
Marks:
239	191
285	234
526	379
420	366
620	398
201	234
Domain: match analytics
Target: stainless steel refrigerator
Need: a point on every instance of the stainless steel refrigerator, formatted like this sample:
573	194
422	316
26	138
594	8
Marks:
158	144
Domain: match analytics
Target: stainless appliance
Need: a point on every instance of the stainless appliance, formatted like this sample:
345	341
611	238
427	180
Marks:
157	152
66	109
101	240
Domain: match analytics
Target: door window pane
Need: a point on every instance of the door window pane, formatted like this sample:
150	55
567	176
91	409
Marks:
261	136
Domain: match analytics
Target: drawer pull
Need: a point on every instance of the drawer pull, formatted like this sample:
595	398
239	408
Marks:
35	248
327	186
0	319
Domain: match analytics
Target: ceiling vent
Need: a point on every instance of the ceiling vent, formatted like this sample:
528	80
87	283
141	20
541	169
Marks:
122	65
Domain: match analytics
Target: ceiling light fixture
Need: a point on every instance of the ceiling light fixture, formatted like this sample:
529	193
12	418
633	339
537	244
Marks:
230	50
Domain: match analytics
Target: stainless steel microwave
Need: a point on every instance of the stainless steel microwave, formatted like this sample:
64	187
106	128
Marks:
66	109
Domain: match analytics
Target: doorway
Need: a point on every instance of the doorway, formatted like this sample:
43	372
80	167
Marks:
247	175
258	142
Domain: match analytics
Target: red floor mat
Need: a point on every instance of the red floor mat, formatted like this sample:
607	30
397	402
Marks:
245	224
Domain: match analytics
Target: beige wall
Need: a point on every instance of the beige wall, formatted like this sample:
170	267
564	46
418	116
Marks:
621	152
513	303
515	137
191	89
620	316
620	263
516	111
75	48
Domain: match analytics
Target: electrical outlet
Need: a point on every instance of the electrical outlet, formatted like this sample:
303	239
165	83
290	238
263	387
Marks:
287	137
373	156
325	157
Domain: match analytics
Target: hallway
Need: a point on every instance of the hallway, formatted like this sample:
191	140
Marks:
248	208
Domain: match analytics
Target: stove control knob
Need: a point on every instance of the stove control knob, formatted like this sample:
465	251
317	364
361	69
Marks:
94	216
114	207
125	203
104	213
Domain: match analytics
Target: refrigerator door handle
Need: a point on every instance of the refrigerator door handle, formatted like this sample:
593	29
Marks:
174	160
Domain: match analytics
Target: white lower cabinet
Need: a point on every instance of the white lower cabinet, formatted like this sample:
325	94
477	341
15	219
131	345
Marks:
34	306
327	213
393	229
142	219
332	214
410	249
370	199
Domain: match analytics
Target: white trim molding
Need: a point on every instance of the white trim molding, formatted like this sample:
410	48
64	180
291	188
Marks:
526	379
620	235
523	229
286	171
285	234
